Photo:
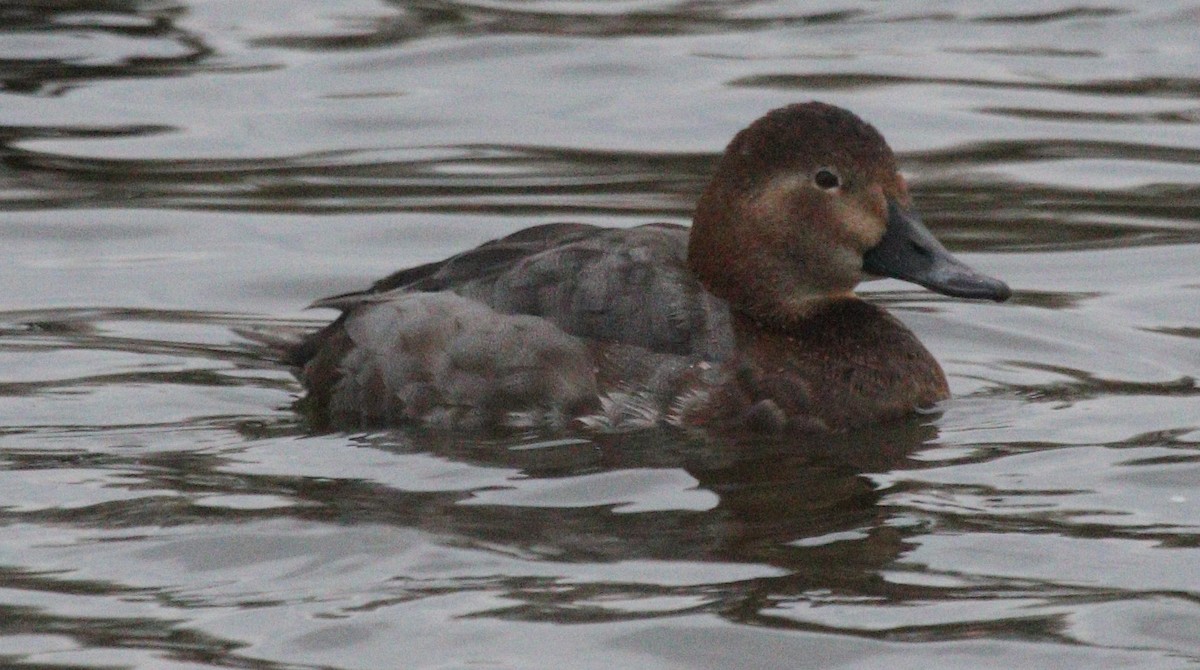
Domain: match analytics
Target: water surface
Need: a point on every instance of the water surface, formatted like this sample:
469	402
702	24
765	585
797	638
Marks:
172	174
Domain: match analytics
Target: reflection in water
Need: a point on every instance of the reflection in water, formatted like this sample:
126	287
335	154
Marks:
772	502
975	213
1185	88
53	47
1084	385
510	180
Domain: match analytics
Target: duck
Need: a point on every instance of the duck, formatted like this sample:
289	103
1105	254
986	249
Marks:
747	321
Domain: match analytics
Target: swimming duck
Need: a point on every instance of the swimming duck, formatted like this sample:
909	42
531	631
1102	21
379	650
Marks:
747	321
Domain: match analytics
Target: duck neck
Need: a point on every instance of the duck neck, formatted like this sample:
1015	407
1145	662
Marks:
799	316
747	252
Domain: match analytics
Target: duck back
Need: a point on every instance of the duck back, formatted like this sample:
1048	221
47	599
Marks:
624	285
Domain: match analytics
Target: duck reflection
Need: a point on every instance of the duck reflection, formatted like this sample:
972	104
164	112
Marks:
801	515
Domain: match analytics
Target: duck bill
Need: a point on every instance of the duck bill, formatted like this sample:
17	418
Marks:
910	252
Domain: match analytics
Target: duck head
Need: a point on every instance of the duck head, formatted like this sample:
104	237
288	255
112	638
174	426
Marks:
807	202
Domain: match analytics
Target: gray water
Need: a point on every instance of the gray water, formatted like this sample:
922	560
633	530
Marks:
171	173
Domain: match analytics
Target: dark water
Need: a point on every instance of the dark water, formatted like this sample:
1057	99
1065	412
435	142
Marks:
170	173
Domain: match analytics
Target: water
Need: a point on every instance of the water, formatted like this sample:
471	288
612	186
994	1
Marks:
172	173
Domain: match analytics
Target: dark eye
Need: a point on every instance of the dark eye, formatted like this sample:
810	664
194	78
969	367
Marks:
826	179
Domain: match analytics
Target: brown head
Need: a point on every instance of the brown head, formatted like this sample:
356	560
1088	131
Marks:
804	204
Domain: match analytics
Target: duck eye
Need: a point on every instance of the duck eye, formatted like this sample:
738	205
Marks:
826	179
